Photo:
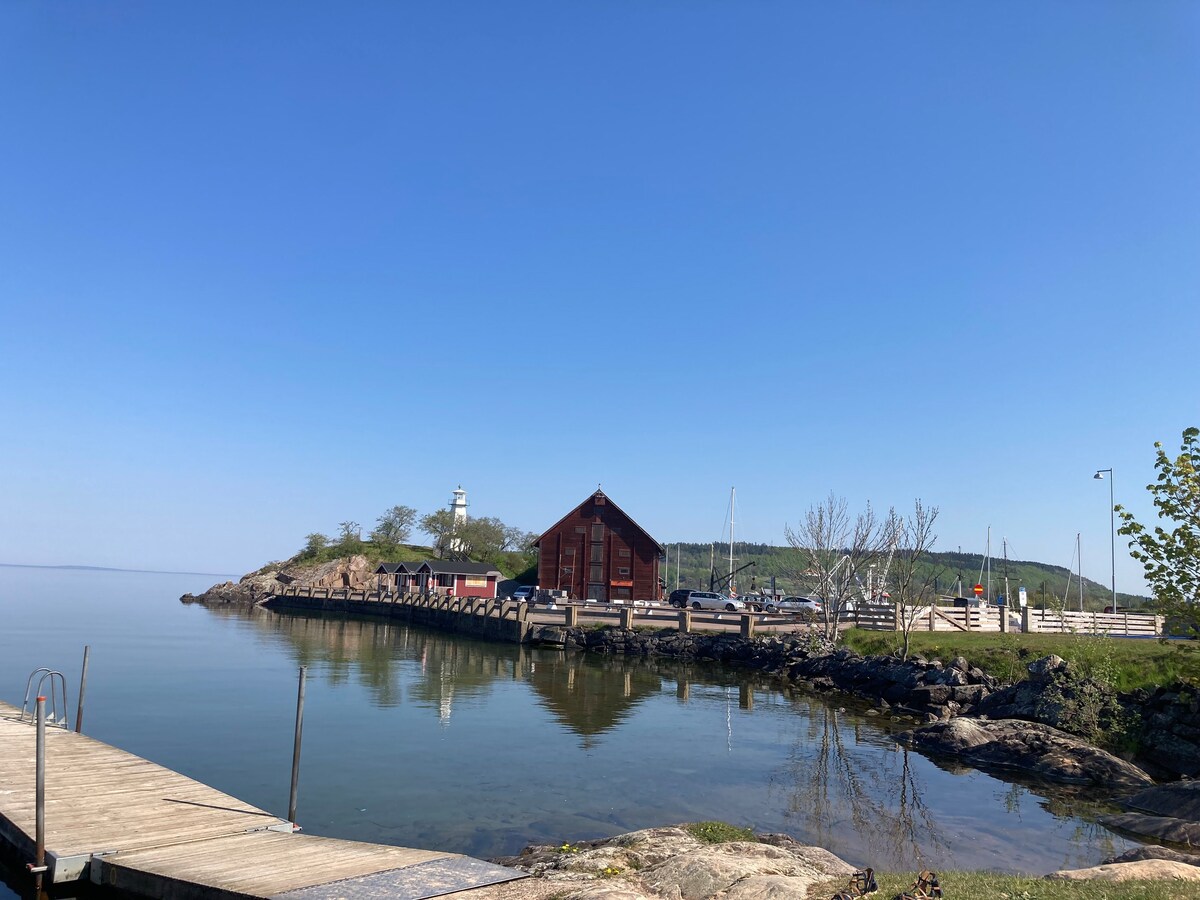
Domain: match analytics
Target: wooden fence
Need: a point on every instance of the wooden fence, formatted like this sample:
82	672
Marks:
1044	621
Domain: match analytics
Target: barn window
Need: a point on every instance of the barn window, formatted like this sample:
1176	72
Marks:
623	553
621	593
597	573
568	551
445	581
623	572
598	531
597	553
580	529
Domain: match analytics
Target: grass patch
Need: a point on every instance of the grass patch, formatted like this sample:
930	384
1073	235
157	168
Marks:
719	832
990	886
1128	663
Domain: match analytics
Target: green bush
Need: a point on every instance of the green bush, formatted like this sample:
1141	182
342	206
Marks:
719	832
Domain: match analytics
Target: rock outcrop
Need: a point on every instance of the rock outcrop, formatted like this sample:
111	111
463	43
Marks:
353	572
1148	869
1035	749
671	863
1167	812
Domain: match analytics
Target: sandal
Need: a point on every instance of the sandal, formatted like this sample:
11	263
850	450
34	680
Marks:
926	887
861	884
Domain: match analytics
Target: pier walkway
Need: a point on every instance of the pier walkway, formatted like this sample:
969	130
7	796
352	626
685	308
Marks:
126	822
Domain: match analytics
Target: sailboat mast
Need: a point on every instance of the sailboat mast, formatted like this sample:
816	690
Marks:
1079	555
1006	597
732	498
989	565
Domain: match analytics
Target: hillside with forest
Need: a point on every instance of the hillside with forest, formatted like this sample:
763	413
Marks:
944	571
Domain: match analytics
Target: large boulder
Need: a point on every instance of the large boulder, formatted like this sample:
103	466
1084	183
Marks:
671	863
1166	812
1035	749
1141	870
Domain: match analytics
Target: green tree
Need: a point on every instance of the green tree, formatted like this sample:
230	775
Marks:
394	526
439	525
313	544
1170	553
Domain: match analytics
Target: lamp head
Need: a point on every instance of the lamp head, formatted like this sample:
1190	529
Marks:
1099	475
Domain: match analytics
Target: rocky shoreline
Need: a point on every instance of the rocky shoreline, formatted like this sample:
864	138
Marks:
1163	725
674	863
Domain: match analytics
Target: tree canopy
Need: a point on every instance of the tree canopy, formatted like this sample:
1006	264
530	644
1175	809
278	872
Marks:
1170	552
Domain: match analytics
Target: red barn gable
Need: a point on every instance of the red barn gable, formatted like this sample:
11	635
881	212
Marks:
597	552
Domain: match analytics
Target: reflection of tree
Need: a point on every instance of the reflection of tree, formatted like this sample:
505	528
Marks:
591	694
876	797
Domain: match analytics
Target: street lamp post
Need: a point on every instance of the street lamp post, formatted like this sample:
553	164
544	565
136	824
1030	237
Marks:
1112	527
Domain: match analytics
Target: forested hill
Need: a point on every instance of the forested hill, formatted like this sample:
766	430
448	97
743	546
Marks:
786	564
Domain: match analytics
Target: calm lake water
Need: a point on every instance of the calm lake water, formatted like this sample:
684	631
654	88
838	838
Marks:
423	739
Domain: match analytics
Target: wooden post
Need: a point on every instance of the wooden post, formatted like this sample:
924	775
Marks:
571	615
1026	620
1004	619
83	690
747	625
627	613
296	745
685	621
932	616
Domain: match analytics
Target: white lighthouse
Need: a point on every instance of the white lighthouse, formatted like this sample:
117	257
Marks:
458	506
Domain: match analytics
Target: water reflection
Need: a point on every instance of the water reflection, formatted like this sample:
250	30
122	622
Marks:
650	741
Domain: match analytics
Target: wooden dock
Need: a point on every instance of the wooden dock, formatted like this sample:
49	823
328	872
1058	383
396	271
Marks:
126	822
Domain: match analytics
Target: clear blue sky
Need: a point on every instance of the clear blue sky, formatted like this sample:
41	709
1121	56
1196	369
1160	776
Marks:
266	267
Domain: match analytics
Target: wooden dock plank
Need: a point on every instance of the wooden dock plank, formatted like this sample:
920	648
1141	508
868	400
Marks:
153	831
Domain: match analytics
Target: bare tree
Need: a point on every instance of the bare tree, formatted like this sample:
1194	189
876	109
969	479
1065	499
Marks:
835	549
914	578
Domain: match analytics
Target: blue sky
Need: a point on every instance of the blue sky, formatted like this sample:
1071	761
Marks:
267	267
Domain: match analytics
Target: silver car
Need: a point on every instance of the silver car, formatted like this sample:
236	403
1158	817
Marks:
710	600
795	605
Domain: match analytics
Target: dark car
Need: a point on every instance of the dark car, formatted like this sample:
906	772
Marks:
968	601
679	598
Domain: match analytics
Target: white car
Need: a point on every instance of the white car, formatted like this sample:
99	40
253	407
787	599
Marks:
524	592
710	600
795	605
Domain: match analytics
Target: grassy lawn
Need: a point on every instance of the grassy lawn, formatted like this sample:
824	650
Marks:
989	886
1136	662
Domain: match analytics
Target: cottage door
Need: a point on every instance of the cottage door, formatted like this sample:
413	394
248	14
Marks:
597	592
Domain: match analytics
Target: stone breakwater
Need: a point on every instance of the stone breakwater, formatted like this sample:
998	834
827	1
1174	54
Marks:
1161	727
928	689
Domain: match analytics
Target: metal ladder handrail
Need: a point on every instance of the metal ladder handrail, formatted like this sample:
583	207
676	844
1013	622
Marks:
54	675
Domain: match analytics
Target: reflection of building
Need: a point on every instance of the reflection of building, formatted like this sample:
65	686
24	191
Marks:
591	695
439	576
598	552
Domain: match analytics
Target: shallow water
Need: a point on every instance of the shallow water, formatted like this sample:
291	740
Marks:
423	739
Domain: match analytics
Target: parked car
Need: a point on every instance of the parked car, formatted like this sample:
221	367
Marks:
755	602
679	598
524	592
968	601
795	605
710	600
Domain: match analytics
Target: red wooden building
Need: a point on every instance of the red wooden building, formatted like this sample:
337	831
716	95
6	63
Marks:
440	576
597	552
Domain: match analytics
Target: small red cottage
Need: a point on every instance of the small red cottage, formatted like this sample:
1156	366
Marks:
598	552
440	576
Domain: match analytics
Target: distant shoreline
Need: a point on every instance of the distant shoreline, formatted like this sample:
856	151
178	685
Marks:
113	569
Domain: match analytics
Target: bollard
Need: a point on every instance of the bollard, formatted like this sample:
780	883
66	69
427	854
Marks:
627	613
82	689
571	615
685	621
747	625
1025	623
39	834
296	745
